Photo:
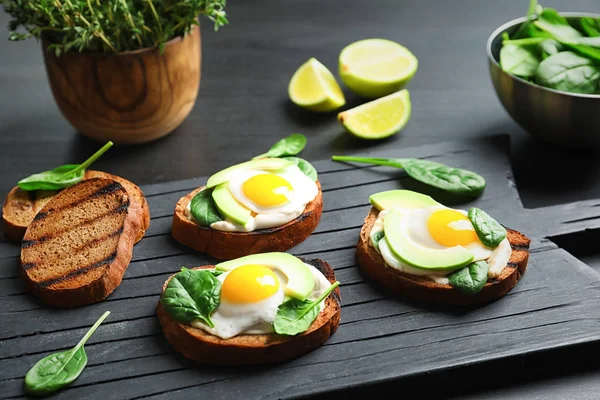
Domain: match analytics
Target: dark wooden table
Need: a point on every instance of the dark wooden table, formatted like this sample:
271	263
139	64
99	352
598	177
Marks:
243	107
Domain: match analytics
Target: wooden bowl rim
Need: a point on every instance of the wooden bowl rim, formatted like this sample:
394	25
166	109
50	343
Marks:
171	42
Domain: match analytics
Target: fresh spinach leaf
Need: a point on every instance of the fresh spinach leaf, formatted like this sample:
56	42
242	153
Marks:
552	22
471	279
216	272
590	26
57	370
376	238
192	294
288	146
533	11
61	177
550	47
488	230
521	61
569	72
305	167
203	208
295	316
453	180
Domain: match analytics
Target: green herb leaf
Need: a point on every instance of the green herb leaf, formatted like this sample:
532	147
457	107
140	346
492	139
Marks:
295	316
471	279
376	238
288	146
489	231
109	26
454	180
61	177
305	167
550	47
557	25
569	72
590	26
521	61
203	208
216	272
57	370
192	294
532	13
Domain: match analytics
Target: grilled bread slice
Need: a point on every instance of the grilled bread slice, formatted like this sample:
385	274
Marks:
20	207
76	249
272	348
425	289
229	245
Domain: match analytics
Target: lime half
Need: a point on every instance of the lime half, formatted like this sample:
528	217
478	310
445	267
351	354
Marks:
314	87
379	118
376	67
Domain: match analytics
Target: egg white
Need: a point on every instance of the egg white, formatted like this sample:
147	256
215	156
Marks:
232	319
417	231
304	190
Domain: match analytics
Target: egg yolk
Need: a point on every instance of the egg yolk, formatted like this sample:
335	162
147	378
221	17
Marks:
267	190
451	228
249	284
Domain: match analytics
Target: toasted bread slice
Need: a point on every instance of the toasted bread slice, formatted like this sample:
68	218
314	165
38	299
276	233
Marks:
76	249
229	245
20	207
272	348
425	289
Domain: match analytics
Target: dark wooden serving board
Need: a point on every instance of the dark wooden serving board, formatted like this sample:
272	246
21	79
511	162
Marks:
381	338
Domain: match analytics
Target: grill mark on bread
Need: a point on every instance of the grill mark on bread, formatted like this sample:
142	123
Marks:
79	271
520	246
90	243
120	209
108	189
512	264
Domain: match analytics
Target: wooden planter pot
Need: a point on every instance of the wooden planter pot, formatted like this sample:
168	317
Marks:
129	97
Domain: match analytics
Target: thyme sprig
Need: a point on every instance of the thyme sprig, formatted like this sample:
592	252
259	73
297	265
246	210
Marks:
108	25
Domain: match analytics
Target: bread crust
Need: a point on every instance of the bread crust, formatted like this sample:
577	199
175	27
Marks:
18	201
101	287
229	245
425	289
272	348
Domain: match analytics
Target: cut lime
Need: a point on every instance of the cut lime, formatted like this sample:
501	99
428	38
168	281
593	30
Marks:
379	118
314	87
376	67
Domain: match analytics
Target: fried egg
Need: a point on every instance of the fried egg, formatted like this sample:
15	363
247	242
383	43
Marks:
439	227
250	297
275	198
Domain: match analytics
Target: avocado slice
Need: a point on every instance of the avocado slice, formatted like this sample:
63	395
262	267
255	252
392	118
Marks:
413	254
264	164
400	199
300	279
229	206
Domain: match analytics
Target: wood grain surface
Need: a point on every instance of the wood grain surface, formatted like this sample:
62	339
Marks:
129	97
381	339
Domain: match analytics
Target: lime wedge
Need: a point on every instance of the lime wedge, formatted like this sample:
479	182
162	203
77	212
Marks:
379	118
314	87
376	67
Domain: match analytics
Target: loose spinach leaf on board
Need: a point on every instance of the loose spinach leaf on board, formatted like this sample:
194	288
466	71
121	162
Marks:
519	60
488	230
203	208
590	26
454	180
470	279
376	238
295	316
61	177
192	294
569	72
305	167
57	370
288	146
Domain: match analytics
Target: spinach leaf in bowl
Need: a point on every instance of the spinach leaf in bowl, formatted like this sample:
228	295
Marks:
569	72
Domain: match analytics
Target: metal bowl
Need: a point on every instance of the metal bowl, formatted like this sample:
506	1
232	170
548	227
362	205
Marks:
566	119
